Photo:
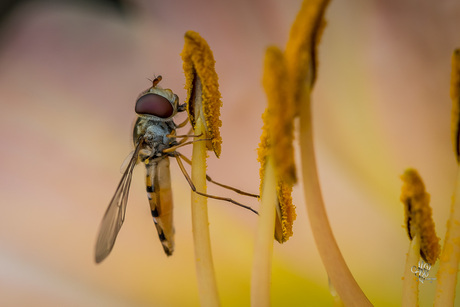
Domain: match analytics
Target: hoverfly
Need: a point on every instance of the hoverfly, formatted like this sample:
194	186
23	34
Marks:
154	139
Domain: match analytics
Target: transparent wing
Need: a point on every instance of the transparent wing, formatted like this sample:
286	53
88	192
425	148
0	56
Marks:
124	165
115	214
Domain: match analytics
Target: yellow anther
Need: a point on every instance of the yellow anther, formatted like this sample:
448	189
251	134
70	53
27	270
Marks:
418	215
201	82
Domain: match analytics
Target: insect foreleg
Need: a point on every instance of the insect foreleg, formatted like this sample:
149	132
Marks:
184	122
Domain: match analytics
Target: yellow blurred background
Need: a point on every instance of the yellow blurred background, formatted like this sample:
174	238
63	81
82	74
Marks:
69	77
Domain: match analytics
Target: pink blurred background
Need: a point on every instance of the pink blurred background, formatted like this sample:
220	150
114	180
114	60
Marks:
69	76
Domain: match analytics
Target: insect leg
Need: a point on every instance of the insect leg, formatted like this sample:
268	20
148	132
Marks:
183	123
218	183
185	136
192	186
173	148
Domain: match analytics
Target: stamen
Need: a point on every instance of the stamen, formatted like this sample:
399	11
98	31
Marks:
276	140
203	107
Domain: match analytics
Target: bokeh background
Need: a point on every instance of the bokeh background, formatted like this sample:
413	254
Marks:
69	75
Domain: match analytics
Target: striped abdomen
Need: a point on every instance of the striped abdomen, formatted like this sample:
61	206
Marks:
158	182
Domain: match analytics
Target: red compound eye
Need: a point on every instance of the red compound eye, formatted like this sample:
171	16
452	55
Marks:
154	104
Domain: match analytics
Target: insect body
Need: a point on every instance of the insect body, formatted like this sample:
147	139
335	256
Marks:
153	133
154	138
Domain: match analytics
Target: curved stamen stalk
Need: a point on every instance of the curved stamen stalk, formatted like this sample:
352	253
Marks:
337	270
301	59
450	257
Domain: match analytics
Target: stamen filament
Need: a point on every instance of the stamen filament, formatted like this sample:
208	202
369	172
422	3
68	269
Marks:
410	283
337	270
207	285
301	58
450	256
263	247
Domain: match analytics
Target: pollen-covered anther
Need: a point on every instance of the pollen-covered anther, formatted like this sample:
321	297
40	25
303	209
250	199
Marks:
418	215
280	114
301	48
455	96
285	210
283	223
201	81
277	138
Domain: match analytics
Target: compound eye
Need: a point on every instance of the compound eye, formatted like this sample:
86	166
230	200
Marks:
154	104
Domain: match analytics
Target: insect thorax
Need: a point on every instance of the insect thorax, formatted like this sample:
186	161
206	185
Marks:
155	137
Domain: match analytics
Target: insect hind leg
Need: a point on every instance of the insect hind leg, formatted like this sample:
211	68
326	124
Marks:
192	186
208	178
